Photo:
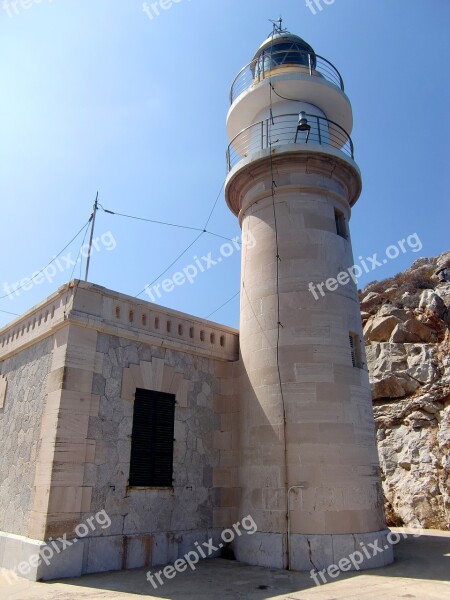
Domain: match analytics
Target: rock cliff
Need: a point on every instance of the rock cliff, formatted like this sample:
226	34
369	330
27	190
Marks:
406	328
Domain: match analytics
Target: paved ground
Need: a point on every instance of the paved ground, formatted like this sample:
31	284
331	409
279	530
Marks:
421	570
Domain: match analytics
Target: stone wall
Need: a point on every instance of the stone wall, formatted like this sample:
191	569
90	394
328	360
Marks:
189	505
20	423
151	525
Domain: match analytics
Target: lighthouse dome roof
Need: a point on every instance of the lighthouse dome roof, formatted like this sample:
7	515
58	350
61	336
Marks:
284	38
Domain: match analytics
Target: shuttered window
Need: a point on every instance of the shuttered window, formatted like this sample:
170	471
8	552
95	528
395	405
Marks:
341	228
355	350
151	463
352	349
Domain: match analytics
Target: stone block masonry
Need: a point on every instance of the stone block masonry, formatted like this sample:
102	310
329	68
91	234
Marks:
84	360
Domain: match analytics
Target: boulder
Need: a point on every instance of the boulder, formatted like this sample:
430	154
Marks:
393	386
389	387
443	267
443	261
412	332
400	335
422	365
385	359
370	301
431	302
419	418
443	275
389	309
424	332
379	329
443	291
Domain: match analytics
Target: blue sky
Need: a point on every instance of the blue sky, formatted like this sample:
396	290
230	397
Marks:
98	96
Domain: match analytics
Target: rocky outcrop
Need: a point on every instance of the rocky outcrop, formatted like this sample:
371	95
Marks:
406	328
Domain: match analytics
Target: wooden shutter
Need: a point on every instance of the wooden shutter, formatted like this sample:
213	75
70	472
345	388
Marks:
151	462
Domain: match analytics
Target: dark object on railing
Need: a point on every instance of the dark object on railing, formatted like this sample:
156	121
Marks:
303	125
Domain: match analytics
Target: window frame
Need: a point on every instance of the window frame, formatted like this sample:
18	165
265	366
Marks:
152	440
355	350
341	224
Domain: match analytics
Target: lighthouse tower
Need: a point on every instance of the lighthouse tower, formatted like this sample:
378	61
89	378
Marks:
308	467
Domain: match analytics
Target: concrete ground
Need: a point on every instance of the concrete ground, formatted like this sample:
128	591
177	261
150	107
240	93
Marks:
421	570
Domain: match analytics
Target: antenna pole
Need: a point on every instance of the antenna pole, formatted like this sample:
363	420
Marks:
278	26
94	212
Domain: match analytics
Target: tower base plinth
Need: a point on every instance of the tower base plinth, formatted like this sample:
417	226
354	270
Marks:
338	553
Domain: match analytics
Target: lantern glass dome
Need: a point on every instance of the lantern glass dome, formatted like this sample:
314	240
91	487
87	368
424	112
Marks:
283	49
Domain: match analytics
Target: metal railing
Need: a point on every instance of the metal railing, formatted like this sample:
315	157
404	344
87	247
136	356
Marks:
280	61
286	130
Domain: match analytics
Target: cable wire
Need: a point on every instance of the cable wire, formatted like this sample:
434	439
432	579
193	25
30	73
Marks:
47	265
79	256
171	264
111	212
224	304
204	230
283	97
136	218
214	206
279	324
7	312
222	237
